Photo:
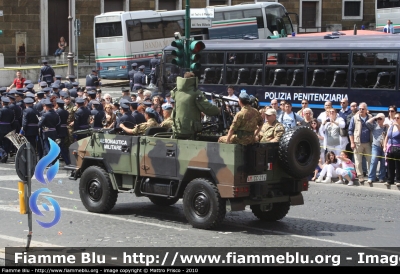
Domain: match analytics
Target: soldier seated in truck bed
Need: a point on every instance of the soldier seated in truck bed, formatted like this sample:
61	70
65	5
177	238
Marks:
139	129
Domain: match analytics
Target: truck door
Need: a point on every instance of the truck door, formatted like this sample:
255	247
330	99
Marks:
158	157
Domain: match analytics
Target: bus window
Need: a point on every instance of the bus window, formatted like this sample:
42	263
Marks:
211	67
108	29
152	29
373	69
237	14
274	13
218	16
134	30
257	14
172	24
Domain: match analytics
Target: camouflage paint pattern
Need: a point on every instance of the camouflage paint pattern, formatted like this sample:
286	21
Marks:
167	123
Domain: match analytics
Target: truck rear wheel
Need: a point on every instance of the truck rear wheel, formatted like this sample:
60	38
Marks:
162	201
277	212
203	206
96	191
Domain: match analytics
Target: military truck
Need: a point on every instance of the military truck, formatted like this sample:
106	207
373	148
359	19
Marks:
211	178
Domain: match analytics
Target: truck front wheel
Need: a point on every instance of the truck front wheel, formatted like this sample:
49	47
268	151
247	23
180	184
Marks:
96	191
277	212
203	206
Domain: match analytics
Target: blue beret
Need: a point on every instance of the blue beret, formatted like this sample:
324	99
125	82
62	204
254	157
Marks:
28	100
27	82
43	84
167	107
79	101
150	111
5	99
30	86
134	65
47	102
60	101
244	95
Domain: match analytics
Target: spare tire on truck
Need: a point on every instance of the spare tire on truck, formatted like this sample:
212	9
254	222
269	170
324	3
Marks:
299	151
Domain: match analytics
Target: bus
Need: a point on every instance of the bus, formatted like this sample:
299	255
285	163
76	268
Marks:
362	68
387	10
123	38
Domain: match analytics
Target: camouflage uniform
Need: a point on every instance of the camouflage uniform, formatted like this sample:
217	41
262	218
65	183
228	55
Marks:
71	108
269	133
167	123
244	125
141	128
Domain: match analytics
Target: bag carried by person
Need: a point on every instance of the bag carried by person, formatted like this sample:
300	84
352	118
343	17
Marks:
383	136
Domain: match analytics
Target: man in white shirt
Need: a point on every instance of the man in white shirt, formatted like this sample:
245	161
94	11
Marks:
389	27
231	95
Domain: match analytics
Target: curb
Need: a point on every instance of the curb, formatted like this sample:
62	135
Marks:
375	185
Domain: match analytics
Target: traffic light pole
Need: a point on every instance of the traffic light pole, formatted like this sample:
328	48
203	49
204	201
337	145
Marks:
187	35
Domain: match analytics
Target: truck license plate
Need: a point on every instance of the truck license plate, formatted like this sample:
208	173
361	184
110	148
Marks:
112	68
256	178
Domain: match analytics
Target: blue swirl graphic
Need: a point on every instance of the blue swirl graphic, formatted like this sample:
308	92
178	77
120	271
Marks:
33	206
45	161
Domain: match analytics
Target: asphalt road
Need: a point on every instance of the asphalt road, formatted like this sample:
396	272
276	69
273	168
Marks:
332	216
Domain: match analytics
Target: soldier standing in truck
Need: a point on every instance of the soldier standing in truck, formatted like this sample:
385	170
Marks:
246	124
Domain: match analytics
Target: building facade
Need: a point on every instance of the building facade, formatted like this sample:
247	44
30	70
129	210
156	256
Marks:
32	28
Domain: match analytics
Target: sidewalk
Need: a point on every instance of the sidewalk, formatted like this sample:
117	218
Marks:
375	185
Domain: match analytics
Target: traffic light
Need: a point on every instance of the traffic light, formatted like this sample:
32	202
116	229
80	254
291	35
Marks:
178	53
195	48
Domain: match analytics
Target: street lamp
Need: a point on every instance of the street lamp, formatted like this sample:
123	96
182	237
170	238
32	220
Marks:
70	53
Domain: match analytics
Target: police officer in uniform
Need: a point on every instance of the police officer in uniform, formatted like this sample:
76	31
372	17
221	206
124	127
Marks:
154	62
98	115
62	130
17	111
189	104
46	73
139	79
30	120
131	73
59	78
82	116
246	124
48	124
139	117
125	94
19	98
92	96
71	108
141	128
6	120
70	79
126	117
92	80
39	104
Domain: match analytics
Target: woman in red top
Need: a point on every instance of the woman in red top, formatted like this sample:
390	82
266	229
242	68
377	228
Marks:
18	82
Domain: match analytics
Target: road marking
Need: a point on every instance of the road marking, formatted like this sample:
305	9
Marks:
16	178
14	209
51	195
